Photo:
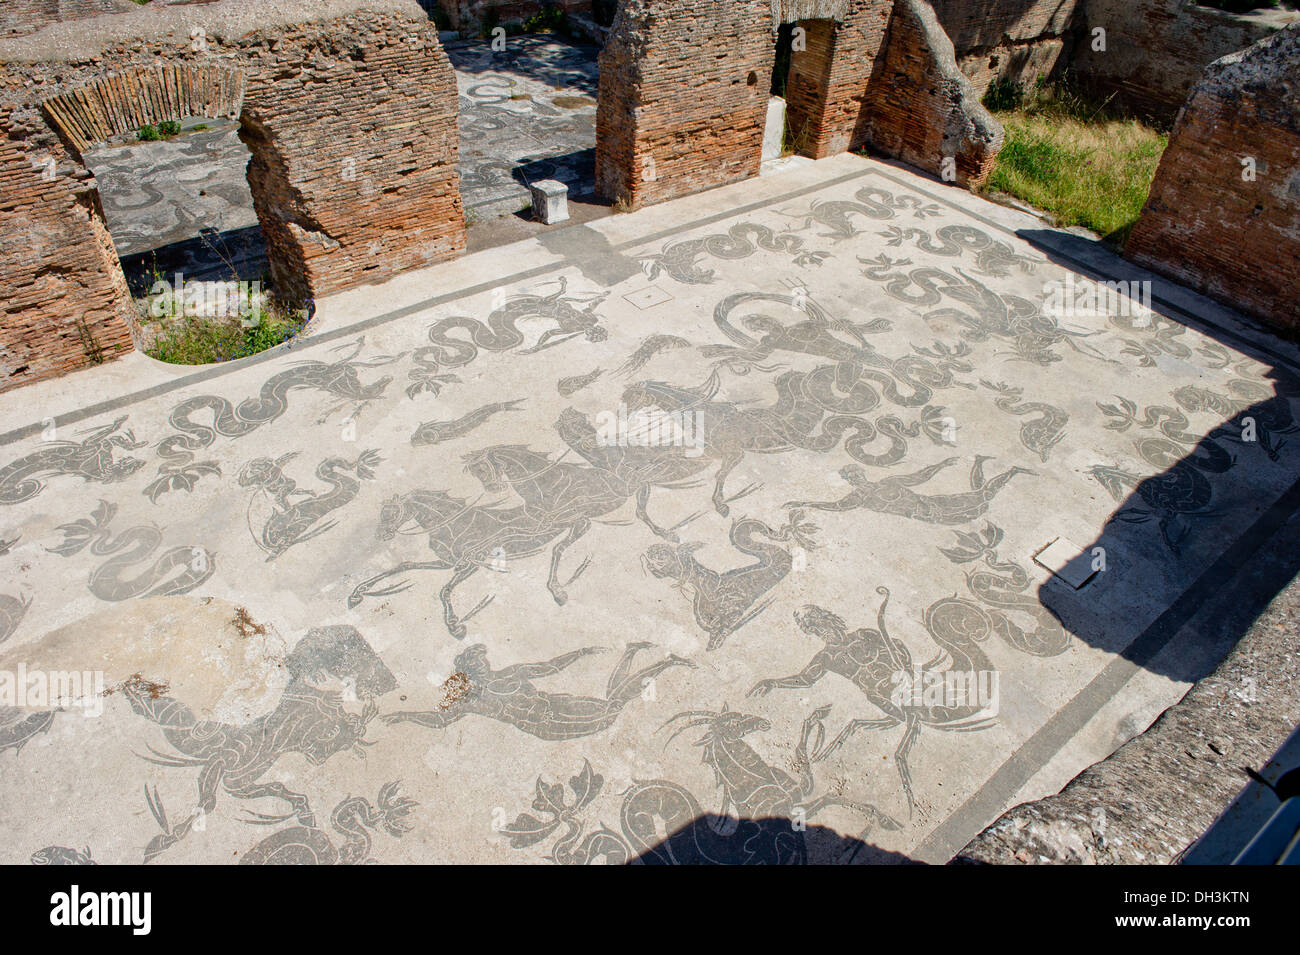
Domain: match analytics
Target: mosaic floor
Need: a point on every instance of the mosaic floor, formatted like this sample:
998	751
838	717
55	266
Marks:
526	113
182	205
156	194
681	527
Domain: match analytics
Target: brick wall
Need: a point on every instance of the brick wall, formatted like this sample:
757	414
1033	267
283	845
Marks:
920	106
354	154
350	116
1155	49
684	86
808	88
1204	224
65	302
122	101
829	82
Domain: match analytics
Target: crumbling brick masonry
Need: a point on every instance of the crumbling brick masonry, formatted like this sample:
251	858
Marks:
685	83
349	110
1224	211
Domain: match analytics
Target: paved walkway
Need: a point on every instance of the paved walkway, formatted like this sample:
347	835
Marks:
678	513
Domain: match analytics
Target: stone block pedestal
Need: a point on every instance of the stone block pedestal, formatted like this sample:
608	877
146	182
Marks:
550	201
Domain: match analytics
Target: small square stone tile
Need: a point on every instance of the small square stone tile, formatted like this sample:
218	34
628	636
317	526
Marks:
1067	560
648	297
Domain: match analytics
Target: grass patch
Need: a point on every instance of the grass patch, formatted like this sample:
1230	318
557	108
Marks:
202	341
1080	162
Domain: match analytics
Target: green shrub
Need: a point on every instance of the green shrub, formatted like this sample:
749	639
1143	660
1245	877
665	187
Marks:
202	341
1004	94
550	19
149	133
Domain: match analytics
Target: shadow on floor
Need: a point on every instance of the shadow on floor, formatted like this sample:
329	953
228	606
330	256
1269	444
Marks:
1191	494
236	255
577	170
1198	533
725	840
549	58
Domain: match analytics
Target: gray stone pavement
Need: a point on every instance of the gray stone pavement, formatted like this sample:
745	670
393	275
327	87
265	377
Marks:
681	512
527	112
182	205
159	193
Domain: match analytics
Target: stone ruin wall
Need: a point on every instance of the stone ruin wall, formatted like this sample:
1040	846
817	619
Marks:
65	300
1017	40
1155	53
828	82
1155	50
20	17
1206	223
685	85
922	108
350	115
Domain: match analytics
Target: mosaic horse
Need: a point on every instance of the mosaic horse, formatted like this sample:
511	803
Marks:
560	502
464	538
815	411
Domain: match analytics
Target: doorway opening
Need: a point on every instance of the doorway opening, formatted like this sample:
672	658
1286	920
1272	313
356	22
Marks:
800	83
528	80
776	132
177	204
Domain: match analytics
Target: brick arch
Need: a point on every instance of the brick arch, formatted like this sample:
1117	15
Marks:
123	101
